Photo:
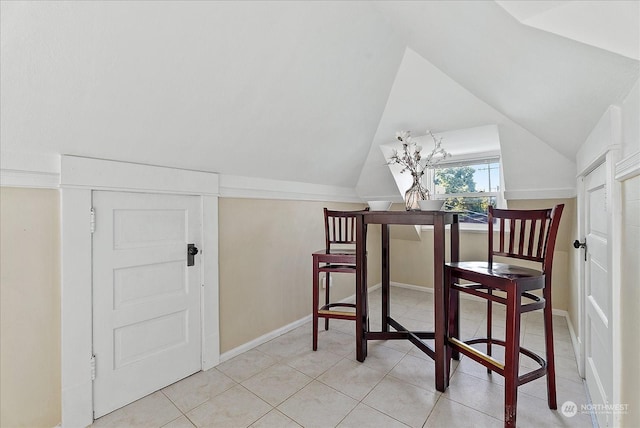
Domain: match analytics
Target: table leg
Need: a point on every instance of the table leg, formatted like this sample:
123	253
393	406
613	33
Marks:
453	301
361	289
386	301
438	302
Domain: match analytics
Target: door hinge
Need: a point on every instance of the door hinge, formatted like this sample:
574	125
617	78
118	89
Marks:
92	366
92	220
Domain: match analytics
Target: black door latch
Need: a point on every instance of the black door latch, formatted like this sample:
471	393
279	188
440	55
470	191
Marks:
192	250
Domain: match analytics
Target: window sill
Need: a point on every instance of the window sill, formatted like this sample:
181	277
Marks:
470	228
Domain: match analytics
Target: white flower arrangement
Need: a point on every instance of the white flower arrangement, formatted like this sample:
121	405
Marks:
411	158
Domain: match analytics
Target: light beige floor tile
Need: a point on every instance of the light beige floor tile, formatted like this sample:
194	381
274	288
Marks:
470	367
449	414
566	390
154	410
277	383
275	419
286	345
416	371
407	403
403	346
413	324
198	388
181	422
486	397
380	358
352	378
365	416
536	343
281	371
337	342
313	363
534	412
417	352
247	364
421	313
344	326
317	405
565	367
235	407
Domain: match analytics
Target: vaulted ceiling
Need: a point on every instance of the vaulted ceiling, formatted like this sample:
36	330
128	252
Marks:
306	91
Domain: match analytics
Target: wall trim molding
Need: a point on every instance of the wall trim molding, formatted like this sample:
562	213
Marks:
34	179
628	167
101	174
235	186
29	170
563	193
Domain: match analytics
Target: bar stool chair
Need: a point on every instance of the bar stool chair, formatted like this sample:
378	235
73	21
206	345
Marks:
338	256
531	236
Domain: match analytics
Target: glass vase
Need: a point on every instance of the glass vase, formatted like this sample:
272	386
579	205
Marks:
417	192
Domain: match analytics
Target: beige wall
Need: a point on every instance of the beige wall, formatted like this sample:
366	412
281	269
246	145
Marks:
265	265
29	308
562	276
265	282
630	301
411	261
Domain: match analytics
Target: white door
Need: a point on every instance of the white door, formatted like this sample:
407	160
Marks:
598	328
146	300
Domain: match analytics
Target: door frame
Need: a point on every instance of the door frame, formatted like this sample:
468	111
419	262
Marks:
607	154
79	177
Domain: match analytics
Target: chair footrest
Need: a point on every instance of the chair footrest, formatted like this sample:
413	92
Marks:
491	363
326	312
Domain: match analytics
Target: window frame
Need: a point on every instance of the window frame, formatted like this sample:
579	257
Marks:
428	180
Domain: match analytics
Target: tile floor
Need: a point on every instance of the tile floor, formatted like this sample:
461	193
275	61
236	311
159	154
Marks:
282	383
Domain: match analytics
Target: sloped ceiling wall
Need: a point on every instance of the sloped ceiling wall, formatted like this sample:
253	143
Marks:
298	91
423	94
281	90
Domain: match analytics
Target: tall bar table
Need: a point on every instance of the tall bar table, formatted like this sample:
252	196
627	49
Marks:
439	220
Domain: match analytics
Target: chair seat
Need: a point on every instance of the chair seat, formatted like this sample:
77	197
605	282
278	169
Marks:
337	251
496	270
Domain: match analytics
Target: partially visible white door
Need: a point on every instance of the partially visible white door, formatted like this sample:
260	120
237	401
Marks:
598	328
146	300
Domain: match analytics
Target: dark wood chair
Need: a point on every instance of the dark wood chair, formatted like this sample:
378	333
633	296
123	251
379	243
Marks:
338	256
526	235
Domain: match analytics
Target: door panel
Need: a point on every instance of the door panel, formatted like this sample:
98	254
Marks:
146	301
598	335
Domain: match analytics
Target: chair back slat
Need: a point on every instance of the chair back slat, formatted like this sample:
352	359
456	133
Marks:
501	235
340	227
532	237
541	237
512	236
531	233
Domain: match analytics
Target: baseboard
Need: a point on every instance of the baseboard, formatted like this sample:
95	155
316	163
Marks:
263	339
278	332
577	346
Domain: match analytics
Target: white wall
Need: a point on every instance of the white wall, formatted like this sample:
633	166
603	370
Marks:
618	132
424	97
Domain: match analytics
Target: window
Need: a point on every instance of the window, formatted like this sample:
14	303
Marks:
469	187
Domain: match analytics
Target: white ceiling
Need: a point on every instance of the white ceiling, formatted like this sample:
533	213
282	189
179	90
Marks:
300	91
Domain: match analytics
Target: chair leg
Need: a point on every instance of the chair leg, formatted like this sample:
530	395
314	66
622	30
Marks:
512	356
454	316
551	365
451	316
327	281
316	299
489	325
